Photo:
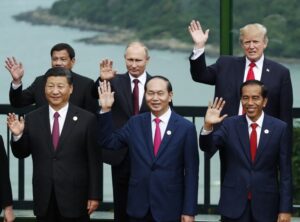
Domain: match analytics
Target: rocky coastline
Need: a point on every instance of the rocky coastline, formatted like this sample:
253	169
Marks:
116	35
107	34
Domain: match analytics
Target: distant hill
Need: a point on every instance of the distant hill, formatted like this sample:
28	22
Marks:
165	21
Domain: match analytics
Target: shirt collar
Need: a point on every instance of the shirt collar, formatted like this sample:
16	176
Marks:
258	63
62	111
259	122
142	78
165	117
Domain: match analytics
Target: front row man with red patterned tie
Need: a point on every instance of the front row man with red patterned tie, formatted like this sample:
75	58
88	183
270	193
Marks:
257	185
163	151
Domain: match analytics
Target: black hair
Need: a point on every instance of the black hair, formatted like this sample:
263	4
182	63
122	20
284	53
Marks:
59	71
264	90
63	46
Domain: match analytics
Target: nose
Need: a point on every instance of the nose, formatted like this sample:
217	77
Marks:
251	45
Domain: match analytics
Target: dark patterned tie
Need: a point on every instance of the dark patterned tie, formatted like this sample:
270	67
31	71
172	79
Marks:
135	93
55	130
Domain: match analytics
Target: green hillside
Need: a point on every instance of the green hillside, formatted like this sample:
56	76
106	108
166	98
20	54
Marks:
164	19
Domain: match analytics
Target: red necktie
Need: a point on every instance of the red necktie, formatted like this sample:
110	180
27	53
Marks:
55	130
135	93
253	141
157	136
250	75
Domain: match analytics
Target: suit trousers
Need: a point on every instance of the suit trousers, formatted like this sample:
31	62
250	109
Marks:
53	214
147	218
120	179
247	216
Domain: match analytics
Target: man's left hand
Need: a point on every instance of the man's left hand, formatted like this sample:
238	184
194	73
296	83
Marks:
187	218
92	205
284	217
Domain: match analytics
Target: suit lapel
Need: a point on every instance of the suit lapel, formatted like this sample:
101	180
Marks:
243	135
265	135
239	78
70	122
266	71
169	133
148	135
144	107
45	121
125	92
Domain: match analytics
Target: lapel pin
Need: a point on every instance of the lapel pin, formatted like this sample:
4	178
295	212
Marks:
266	131
268	70
75	118
169	132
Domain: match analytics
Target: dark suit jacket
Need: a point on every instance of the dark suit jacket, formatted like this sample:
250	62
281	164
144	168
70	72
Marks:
35	93
227	75
269	178
122	110
5	187
72	170
167	183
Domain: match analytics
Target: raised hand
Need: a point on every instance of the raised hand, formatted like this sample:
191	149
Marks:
213	113
199	37
15	69
8	214
106	96
106	70
15	125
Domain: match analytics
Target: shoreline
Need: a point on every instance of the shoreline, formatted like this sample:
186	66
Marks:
116	35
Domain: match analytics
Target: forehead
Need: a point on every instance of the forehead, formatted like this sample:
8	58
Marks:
57	80
135	51
60	53
252	90
157	85
253	33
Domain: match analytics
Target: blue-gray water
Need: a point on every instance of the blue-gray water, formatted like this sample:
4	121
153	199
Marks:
31	45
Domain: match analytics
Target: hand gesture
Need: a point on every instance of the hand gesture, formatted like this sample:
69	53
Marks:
106	96
92	205
15	68
106	70
213	113
187	218
8	214
284	217
15	125
199	37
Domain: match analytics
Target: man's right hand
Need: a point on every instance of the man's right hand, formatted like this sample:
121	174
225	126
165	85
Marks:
15	125
106	70
106	96
213	113
199	37
15	68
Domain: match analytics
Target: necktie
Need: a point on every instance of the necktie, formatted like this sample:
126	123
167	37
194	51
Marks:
157	136
55	130
250	75
253	141
135	93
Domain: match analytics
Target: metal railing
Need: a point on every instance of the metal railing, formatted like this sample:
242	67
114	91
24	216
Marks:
189	112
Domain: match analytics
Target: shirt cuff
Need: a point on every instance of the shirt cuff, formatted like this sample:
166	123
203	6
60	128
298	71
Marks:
197	53
205	132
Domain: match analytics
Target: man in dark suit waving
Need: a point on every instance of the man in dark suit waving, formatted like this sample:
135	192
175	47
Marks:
61	138
257	183
125	105
62	55
163	154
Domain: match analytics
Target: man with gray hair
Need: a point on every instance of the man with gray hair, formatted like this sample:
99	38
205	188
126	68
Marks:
129	101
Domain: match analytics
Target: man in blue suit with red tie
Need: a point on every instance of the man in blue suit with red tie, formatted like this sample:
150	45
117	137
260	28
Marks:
164	161
257	185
